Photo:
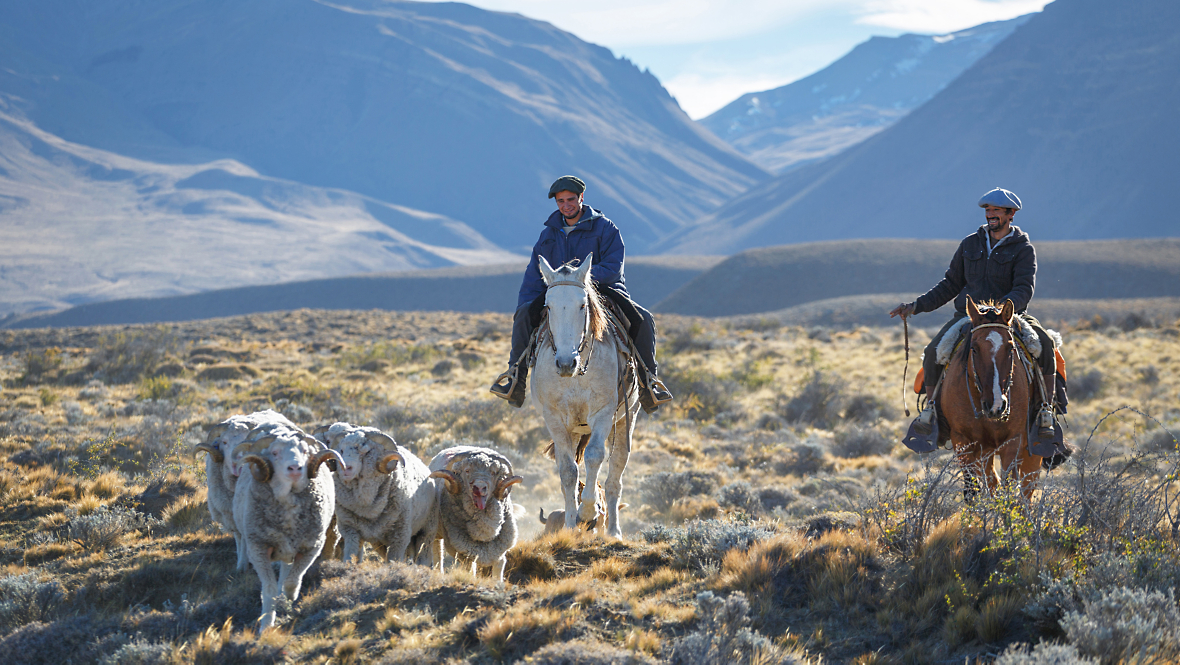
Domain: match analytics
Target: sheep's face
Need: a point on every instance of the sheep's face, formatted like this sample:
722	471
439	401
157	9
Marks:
231	448
479	476
352	448
289	455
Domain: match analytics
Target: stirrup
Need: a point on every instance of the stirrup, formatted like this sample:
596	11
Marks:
1046	441
500	388
659	392
922	438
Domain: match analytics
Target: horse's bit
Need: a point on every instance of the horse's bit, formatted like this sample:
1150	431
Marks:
974	374
583	365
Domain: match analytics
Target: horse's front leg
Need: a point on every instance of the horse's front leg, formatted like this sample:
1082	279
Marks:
595	454
567	468
971	462
620	452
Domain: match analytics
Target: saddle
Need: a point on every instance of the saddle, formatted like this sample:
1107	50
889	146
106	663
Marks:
1029	349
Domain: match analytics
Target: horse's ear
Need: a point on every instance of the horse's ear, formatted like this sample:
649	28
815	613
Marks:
973	311
583	273
1008	310
547	272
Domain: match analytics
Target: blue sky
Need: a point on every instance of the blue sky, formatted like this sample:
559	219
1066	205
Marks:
708	52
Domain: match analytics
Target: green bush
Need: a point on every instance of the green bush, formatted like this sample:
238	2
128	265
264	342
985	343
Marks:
126	356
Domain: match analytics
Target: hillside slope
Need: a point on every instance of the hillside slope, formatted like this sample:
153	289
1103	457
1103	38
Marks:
877	83
435	106
1075	112
484	288
774	278
79	224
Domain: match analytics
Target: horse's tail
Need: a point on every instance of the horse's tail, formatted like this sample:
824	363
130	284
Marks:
1050	463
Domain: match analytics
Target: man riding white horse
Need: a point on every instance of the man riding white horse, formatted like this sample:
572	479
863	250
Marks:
996	263
574	231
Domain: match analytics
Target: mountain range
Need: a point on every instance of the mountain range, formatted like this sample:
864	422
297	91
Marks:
1075	112
439	107
877	83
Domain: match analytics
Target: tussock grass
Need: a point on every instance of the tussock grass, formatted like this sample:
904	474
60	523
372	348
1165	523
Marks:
775	475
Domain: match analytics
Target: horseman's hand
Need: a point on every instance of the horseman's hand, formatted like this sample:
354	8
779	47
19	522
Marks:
904	310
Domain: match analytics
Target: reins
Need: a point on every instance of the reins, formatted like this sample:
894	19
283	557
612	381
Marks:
1006	391
587	339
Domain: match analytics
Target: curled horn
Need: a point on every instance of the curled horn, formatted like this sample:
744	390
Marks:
456	458
260	467
333	458
506	484
382	439
383	463
213	451
312	441
216	431
321	431
450	477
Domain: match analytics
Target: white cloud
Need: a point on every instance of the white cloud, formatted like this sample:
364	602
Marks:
701	94
941	16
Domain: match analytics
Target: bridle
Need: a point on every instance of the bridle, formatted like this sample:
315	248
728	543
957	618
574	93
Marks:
970	373
587	340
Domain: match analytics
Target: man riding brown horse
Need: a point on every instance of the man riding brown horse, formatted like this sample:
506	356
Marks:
996	263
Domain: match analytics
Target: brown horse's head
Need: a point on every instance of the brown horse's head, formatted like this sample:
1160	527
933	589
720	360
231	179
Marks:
991	356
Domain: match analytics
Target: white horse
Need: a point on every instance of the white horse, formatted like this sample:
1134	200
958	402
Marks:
585	392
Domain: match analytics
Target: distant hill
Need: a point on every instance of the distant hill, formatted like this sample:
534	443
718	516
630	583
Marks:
872	310
79	224
441	107
490	288
776	278
1075	112
877	83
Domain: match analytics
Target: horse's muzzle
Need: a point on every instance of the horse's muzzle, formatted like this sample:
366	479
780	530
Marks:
996	411
567	366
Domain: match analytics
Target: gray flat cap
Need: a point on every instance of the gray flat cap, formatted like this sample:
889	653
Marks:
1000	198
567	183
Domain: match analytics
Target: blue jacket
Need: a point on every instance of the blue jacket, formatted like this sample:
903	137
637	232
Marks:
593	233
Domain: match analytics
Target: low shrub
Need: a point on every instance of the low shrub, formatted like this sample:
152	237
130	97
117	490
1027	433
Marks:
1126	625
818	402
38	365
1087	386
25	599
581	652
104	527
723	636
700	394
703	544
1045	653
125	356
857	441
741	496
660	490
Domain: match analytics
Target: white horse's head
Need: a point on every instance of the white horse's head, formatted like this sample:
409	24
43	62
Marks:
568	300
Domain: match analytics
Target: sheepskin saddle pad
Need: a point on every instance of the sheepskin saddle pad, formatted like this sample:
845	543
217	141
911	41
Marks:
1023	330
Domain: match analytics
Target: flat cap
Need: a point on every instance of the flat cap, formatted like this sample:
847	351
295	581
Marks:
567	183
1000	198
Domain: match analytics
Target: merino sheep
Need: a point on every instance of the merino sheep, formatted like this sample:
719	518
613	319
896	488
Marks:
379	500
476	519
222	467
283	508
556	520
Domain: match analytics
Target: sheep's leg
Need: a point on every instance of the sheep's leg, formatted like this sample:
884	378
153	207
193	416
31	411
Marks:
260	559
240	544
352	544
498	569
595	455
438	556
619	454
296	570
399	543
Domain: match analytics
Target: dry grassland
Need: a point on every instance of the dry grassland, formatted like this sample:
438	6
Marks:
772	516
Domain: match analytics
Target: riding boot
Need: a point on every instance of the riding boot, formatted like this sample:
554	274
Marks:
924	423
652	393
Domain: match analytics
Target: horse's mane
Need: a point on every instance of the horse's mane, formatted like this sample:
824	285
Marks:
598	318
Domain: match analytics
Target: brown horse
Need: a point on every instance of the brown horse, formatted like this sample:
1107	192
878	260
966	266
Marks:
985	399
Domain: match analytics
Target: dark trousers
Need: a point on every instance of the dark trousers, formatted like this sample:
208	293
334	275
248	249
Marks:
1048	361
642	331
